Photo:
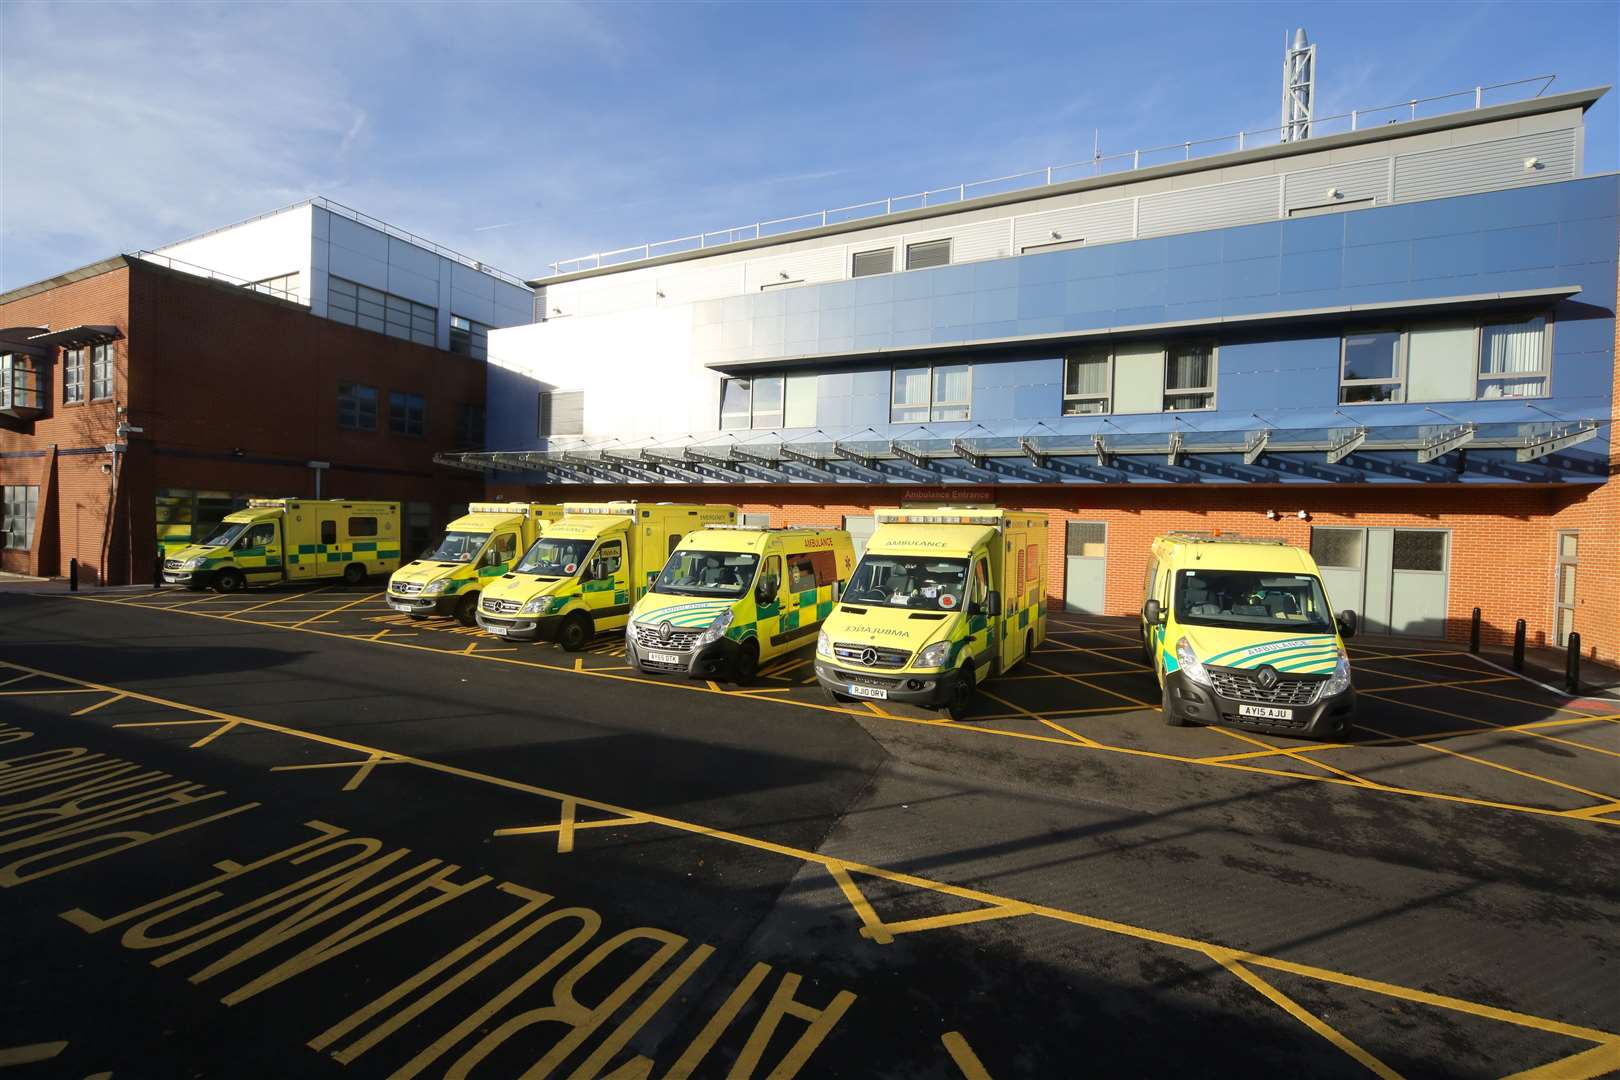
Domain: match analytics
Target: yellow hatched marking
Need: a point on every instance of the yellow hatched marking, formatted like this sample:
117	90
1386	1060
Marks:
872	926
1600	1060
1094	652
1501	768
38	693
568	824
962	1054
1593	811
1053	724
30	1054
362	768
1092	686
1304	1016
301	595
334	611
99	705
16	679
1289	752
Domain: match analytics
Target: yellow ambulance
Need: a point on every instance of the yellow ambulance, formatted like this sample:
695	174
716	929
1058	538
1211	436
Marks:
1240	631
291	540
943	599
586	571
475	549
731	596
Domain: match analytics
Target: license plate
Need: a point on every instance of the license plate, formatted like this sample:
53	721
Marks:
868	692
399	605
498	631
1263	712
663	658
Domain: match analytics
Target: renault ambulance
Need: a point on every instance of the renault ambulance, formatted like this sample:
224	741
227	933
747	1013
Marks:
586	571
474	550
943	599
1240	632
732	596
291	540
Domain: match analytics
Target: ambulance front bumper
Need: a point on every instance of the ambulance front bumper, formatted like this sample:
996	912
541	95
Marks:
417	604
1320	718
519	627
698	662
929	689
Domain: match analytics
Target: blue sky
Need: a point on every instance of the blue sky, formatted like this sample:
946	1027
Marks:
526	133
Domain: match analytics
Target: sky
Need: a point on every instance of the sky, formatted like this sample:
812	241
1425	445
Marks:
522	134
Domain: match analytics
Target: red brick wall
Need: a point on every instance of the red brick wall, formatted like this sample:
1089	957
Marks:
1502	538
235	392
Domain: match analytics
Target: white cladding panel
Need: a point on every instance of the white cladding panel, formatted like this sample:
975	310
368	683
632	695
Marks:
826	264
687	284
267	248
1354	181
1098	223
1214	207
1490	166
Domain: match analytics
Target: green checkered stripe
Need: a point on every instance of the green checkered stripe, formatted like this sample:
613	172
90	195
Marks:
355	551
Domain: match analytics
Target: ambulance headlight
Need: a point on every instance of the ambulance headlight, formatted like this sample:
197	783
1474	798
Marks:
193	564
1190	664
1339	681
537	606
716	629
434	588
935	656
824	644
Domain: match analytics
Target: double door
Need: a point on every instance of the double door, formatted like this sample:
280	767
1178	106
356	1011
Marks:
1396	580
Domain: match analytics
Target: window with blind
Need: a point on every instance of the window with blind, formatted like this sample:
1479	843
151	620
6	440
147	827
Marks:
1189	377
1446	361
1514	359
939	393
1087	379
928	253
867	263
768	402
562	412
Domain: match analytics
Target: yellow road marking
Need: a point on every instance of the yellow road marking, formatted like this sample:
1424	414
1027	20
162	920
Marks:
1053	724
99	705
301	595
961	1053
1600	1060
711	687
1077	679
37	693
16	679
333	611
362	768
1503	768
1593	811
1296	754
841	869
28	1055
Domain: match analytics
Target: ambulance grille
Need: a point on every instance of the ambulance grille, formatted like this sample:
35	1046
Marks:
679	639
872	656
171	564
501	607
405	588
1240	685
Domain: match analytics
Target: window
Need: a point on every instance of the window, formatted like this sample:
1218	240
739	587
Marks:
418	527
770	578
562	412
262	535
922	394
609	557
825	566
407	413
72	375
1418	549
773	401
371	309
20	386
736	398
1189	378
1452	361
284	287
801	574
362	527
469	338
101	372
19	506
767	412
928	253
502	550
1087	539
1513	359
867	263
328	532
1337	547
357	407
470	427
1372	367
1087	380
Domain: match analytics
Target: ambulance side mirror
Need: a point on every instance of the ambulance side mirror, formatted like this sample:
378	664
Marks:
1347	623
1152	614
992	603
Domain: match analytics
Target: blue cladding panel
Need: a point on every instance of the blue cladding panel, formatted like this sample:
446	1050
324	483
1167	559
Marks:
1535	237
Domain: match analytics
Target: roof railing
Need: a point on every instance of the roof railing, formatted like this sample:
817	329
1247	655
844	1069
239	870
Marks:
371	222
1098	165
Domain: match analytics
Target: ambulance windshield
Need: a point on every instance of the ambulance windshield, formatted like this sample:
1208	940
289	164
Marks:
1252	600
553	557
707	573
908	581
225	534
458	547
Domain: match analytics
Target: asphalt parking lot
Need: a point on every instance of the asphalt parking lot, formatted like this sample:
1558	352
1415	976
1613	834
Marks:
289	832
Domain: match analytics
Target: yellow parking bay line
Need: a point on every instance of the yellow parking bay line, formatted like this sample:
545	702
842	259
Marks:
845	873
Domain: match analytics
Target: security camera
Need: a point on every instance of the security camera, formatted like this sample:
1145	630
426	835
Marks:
1304	515
1272	515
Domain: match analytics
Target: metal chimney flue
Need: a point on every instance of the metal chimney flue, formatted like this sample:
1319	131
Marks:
1299	87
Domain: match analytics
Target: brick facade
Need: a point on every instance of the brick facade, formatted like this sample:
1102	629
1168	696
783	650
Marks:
236	391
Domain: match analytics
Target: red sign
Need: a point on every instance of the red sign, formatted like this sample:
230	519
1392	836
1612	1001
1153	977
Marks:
946	494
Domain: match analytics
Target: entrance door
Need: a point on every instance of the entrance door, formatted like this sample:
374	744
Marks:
1395	579
1085	576
1564	598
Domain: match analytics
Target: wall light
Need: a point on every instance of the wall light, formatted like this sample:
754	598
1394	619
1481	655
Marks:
1272	515
1056	235
1304	515
1532	163
1334	193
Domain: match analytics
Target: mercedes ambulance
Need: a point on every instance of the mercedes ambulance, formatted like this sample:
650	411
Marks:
291	540
474	550
1240	632
584	573
943	599
732	596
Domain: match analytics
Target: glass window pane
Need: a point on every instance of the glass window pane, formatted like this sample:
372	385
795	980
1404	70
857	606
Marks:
873	262
1371	355
800	409
1511	348
1368	392
1513	388
1189	367
910	386
930	253
1337	547
768	401
953	384
1568	546
1085	407
735	395
1419	549
909	414
1088	372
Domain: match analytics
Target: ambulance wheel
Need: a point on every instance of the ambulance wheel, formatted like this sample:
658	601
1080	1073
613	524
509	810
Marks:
1171	716
961	695
467	610
746	665
575	632
416	618
354	573
229	581
1029	648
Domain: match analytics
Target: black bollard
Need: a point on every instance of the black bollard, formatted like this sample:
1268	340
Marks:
1473	633
1518	645
73	575
1572	664
157	571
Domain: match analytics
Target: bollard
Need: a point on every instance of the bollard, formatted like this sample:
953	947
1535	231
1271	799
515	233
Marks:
1518	645
73	575
1572	664
1473	633
157	571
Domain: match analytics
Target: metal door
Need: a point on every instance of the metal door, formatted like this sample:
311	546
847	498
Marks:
1085	576
1564	588
1341	554
1417	582
1396	580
